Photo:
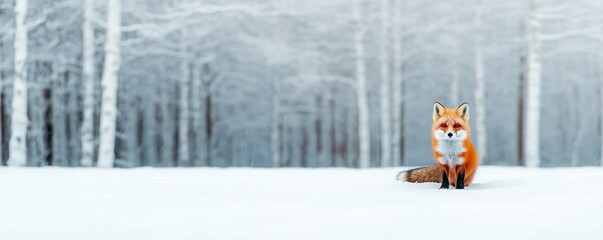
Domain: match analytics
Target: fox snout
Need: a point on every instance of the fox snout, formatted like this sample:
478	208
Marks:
450	134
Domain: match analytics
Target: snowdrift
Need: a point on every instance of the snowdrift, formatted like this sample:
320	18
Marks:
245	203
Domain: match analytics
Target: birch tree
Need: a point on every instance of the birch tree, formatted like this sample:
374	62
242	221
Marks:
275	124
521	112
601	120
385	85
532	147
19	120
167	125
106	152
197	112
454	82
1	102
88	72
361	88
480	101
397	131
58	116
183	128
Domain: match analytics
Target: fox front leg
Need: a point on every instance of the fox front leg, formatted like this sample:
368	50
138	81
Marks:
460	180
445	182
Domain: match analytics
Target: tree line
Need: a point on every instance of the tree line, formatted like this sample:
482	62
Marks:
292	84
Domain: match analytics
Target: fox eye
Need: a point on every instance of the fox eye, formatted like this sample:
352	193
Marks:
457	125
443	125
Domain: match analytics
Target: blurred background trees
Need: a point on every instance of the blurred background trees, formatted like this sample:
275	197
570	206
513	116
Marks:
296	83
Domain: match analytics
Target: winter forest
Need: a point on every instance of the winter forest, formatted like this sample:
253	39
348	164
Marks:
288	83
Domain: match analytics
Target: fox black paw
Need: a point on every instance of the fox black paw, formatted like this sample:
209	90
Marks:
460	180
445	182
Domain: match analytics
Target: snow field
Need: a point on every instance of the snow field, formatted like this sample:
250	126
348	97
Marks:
246	203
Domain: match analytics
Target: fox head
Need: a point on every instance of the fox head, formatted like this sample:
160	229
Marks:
450	123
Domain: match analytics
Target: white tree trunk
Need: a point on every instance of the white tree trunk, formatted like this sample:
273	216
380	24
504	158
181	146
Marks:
132	153
577	130
325	126
150	129
397	83
183	146
19	121
385	86
532	148
75	153
1	103
88	71
454	83
59	131
480	101
601	121
167	125
364	138
197	113
106	151
274	133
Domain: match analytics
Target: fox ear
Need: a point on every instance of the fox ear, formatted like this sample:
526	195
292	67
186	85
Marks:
463	110
438	110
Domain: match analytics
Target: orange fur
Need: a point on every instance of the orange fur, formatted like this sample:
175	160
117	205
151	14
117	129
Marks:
453	120
448	120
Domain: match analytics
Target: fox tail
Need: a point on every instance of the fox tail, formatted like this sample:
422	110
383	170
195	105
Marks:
422	174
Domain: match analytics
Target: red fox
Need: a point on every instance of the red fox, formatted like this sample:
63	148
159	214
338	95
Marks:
454	154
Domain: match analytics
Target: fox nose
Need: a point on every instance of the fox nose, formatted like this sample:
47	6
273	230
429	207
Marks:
449	134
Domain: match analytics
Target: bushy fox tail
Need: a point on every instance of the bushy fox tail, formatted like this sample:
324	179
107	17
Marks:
422	174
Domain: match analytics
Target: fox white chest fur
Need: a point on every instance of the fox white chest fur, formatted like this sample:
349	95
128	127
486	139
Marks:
450	147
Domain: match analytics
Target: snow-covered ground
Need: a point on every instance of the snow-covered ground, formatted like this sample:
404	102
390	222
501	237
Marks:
243	203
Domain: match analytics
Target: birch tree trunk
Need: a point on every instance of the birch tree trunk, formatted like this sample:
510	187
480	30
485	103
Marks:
19	121
480	101
183	128
149	122
167	135
601	121
454	83
1	104
88	72
521	112
106	151
385	85
206	108
59	133
197	112
361	89
532	147
325	127
350	138
578	128
131	122
274	132
72	121
397	84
